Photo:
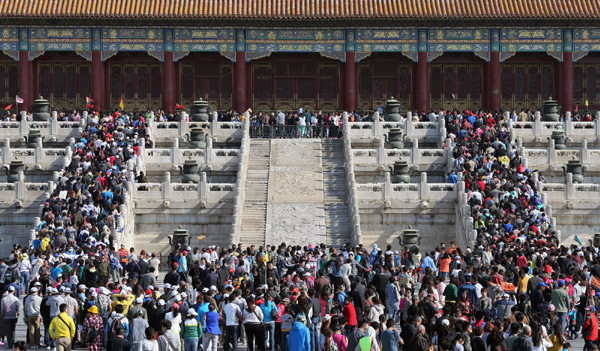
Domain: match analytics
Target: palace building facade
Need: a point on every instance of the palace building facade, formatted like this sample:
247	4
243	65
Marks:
315	54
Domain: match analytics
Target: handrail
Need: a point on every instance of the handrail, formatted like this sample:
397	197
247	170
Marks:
353	209
240	188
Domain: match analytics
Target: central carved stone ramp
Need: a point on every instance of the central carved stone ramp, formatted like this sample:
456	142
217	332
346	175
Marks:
295	212
254	217
335	190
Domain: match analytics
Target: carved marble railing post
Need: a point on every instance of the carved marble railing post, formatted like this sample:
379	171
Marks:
551	152
448	155
203	188
409	129
570	187
381	155
20	187
6	153
175	154
346	127
167	191
387	190
39	154
537	125
584	153
214	123
54	124
141	158
377	127
568	124
409	115
182	127
424	188
596	125
151	127
209	153
24	125
416	155
441	131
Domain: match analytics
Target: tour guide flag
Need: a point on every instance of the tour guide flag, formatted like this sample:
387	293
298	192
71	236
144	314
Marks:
8	107
121	106
179	107
578	240
88	100
19	99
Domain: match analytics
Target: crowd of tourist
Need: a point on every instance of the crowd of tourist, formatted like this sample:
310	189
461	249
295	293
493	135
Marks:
515	289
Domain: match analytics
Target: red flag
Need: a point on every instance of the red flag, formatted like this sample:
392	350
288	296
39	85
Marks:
576	108
90	106
8	107
179	107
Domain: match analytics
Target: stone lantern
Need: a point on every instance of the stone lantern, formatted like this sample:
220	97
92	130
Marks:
550	111
409	237
197	138
12	171
392	110
394	139
559	139
576	169
400	172
190	172
180	236
199	111
41	110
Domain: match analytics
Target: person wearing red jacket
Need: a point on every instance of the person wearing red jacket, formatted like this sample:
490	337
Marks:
349	313
590	328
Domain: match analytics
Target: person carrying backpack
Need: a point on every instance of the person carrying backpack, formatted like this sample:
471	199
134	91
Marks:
116	321
92	330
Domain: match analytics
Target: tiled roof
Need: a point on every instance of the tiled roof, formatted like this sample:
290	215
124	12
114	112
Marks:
302	9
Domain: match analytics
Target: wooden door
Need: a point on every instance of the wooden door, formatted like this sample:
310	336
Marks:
455	86
9	83
379	82
525	86
586	86
212	82
138	84
64	85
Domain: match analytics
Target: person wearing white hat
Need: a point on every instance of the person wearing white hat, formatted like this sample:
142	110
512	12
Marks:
33	304
137	306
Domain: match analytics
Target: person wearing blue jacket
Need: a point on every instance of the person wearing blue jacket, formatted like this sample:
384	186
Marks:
299	338
267	307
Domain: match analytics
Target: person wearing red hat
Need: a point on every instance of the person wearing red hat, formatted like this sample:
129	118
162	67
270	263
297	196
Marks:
590	328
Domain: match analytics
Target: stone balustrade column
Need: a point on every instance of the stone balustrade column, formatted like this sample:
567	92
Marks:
584	155
203	188
182	127
54	124
377	127
424	187
6	152
551	152
416	156
20	186
175	154
537	125
570	187
596	126
167	190
209	156
387	188
23	125
381	155
214	124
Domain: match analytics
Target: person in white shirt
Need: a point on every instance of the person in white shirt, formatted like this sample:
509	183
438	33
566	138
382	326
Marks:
25	270
232	314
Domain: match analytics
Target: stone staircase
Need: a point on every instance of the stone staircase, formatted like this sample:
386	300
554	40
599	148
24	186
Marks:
335	193
254	217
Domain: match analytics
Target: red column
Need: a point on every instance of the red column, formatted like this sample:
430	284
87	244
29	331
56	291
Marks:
97	80
350	81
24	76
239	92
168	93
422	88
494	81
567	82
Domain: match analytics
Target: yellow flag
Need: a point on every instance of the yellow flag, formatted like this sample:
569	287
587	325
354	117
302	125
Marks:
586	103
121	106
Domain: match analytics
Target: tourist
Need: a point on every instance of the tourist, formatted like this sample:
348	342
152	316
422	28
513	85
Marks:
62	329
169	340
210	339
33	303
